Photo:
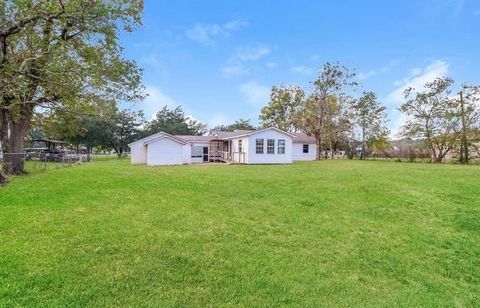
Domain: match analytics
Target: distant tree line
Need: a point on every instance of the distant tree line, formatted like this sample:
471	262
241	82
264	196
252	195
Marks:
330	113
439	123
62	71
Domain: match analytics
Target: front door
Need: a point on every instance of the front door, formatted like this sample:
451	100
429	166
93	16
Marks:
205	154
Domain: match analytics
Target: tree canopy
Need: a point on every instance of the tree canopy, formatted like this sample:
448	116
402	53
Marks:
61	55
370	117
174	121
240	124
283	109
432	115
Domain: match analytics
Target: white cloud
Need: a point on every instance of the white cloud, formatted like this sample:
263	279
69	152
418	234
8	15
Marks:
155	101
371	73
255	93
363	76
208	33
236	65
304	70
416	78
234	70
252	53
205	33
271	64
218	118
152	59
235	24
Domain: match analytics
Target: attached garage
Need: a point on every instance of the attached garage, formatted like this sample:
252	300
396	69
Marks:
165	151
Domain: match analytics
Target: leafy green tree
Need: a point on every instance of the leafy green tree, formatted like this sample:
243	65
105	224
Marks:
121	130
333	81
469	115
174	122
61	55
432	115
370	117
240	124
196	127
283	109
80	129
337	122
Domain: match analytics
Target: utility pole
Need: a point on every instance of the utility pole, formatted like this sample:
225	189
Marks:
464	159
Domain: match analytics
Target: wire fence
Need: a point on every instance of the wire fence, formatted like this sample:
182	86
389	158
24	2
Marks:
41	161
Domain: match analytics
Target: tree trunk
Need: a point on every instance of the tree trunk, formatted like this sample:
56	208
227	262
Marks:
13	158
318	143
362	153
464	155
3	179
437	160
331	149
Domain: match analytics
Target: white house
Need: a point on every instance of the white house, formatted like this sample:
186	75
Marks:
304	147
264	146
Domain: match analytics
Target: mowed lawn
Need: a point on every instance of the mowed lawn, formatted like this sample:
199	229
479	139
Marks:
330	233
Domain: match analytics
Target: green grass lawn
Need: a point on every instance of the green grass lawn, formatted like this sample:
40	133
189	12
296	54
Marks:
330	233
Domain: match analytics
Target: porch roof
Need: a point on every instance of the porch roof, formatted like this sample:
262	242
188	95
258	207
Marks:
191	138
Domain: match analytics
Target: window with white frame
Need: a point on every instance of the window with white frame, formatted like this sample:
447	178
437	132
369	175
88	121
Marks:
305	148
281	146
259	146
240	146
197	152
270	146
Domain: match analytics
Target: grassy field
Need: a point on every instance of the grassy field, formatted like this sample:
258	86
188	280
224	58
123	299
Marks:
331	233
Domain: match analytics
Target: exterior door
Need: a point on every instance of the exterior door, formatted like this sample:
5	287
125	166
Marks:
205	154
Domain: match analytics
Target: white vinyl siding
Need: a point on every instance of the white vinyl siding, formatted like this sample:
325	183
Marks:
276	158
298	153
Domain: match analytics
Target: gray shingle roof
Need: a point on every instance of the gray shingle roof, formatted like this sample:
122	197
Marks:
237	132
191	138
303	138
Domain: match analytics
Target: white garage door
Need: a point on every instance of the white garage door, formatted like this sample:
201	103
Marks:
164	152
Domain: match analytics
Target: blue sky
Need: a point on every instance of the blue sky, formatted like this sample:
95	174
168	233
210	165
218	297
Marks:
219	59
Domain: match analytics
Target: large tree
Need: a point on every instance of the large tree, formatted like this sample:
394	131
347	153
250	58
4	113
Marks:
283	109
333	82
469	114
64	55
174	121
109	128
370	117
432	114
337	122
121	130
